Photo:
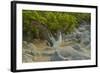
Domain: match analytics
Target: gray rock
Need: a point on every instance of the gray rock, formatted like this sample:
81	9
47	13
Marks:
28	52
81	29
27	58
77	47
55	57
70	53
48	52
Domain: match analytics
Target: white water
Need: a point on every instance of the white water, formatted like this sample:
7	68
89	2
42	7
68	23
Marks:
67	49
56	43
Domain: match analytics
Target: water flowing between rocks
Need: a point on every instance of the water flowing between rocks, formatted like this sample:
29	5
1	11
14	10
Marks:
73	46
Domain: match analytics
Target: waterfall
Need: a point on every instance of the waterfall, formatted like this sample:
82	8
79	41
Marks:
56	43
60	38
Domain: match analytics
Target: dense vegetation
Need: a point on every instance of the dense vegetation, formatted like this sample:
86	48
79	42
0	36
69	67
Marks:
54	21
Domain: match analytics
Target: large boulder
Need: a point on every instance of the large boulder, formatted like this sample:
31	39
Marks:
56	57
69	53
26	58
28	51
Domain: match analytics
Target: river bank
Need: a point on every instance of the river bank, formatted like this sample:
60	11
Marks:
75	46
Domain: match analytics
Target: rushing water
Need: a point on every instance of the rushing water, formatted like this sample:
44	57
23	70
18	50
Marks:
75	46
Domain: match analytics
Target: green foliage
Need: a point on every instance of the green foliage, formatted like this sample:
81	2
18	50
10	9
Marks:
55	21
83	17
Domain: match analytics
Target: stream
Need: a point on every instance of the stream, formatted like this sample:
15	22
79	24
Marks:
73	46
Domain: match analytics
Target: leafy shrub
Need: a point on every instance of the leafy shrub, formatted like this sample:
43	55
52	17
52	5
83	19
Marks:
54	21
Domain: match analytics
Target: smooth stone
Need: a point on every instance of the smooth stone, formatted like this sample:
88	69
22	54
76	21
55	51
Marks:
71	53
26	58
55	57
